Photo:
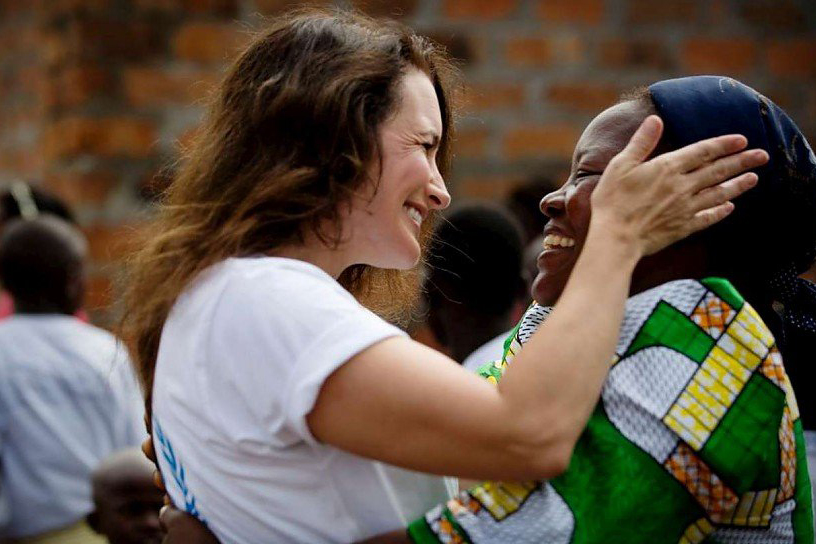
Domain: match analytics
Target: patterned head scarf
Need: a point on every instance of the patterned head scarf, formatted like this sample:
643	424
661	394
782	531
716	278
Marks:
772	231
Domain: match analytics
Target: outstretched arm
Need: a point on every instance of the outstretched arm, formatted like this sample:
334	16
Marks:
398	401
595	275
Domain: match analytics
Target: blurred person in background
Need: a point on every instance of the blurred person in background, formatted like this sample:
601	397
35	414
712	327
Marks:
68	397
20	199
126	500
523	201
475	287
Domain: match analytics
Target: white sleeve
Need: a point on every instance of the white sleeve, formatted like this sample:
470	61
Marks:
275	341
334	346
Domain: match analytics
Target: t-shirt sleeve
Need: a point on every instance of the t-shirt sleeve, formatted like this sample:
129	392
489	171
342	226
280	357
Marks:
278	337
335	345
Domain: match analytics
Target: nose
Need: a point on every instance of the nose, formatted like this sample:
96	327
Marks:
437	193
552	205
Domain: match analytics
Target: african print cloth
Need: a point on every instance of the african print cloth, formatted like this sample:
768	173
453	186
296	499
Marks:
696	439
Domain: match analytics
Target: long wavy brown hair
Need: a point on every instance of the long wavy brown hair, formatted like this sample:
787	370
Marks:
290	134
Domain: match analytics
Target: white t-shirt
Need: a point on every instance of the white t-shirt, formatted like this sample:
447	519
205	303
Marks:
68	399
242	357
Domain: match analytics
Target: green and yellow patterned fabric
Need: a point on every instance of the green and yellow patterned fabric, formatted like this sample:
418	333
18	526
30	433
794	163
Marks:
696	439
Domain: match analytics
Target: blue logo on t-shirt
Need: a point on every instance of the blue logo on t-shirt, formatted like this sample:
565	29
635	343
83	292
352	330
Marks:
177	471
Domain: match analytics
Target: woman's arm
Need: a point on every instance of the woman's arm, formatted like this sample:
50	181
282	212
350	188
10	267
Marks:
410	406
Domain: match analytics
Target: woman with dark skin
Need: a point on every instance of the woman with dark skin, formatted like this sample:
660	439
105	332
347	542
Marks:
614	492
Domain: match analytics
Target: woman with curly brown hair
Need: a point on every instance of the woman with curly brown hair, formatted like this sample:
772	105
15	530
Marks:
282	406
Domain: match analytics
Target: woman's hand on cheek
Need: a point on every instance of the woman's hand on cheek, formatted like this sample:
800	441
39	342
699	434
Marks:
653	204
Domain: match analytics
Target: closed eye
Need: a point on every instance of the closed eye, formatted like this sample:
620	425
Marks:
582	175
429	140
585	173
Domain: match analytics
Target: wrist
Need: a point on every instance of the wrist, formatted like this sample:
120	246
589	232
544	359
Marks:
619	242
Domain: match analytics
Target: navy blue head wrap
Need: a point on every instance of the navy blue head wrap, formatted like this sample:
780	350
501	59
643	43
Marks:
770	238
775	221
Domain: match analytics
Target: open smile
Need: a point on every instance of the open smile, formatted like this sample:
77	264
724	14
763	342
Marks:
414	213
557	241
558	251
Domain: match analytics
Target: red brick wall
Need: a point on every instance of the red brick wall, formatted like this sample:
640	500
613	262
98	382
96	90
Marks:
96	94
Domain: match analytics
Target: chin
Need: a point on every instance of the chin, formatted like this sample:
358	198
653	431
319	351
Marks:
545	291
407	263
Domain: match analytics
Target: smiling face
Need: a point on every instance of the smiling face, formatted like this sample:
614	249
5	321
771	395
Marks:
384	223
569	207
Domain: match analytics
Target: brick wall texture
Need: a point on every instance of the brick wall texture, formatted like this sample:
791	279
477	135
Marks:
97	96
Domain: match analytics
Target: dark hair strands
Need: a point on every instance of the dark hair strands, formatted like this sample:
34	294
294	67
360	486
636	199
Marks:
291	133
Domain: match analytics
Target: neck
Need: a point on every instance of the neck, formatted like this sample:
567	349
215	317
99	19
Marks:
312	250
691	260
680	261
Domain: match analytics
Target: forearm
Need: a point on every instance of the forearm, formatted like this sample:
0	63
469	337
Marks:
555	381
423	412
